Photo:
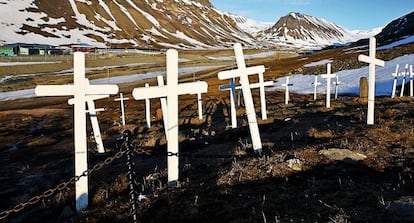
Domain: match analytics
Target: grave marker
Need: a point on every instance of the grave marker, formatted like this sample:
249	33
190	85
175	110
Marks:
80	90
242	71
171	92
94	118
371	85
328	77
163	102
261	85
395	75
411	81
200	106
363	90
286	85
336	83
122	99
232	86
147	109
315	84
404	75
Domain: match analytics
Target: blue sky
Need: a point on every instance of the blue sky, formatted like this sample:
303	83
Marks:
352	14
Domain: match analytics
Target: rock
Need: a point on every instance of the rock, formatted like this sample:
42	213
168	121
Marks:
294	164
342	154
403	207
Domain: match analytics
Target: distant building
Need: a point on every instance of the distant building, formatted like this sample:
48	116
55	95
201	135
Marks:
28	49
6	51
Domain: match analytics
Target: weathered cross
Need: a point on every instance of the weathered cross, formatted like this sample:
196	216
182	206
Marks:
90	100
315	84
200	106
232	86
328	77
261	85
371	84
163	102
287	85
122	99
404	74
147	109
337	83
242	71
171	91
395	75
411	81
80	90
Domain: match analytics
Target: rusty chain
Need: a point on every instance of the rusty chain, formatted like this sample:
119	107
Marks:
62	186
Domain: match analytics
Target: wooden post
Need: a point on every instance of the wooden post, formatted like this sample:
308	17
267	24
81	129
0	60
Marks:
363	90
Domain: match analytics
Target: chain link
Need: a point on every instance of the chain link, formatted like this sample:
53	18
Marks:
62	186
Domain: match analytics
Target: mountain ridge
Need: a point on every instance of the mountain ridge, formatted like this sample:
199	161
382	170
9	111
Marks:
184	24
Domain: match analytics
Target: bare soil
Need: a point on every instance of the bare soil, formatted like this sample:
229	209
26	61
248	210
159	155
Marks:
221	179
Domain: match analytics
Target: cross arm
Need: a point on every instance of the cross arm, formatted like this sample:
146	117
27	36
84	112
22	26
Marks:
150	92
227	87
264	84
193	88
238	72
101	89
367	59
328	75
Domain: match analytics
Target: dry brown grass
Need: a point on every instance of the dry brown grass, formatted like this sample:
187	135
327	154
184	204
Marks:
315	133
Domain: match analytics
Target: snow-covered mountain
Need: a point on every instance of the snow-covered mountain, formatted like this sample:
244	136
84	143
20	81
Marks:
365	34
303	31
186	24
249	25
121	23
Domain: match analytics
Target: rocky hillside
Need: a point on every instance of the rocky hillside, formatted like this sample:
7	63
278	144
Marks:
305	31
397	29
121	23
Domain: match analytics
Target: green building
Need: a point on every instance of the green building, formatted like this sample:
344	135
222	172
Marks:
6	51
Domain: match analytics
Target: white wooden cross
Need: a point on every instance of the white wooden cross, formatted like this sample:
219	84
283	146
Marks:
122	99
80	90
200	106
411	81
404	74
147	109
337	83
315	84
232	86
171	91
395	75
239	97
243	72
90	100
371	82
287	85
261	85
163	102
328	77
